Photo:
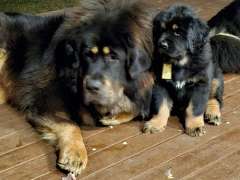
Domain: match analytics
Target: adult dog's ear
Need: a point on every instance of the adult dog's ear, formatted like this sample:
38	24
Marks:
138	62
197	35
68	64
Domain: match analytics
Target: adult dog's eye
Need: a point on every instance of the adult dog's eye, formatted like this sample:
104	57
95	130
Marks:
177	34
112	57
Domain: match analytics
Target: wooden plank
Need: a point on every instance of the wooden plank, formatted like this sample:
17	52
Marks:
20	156
191	161
231	103
101	142
119	152
229	78
18	140
165	152
34	168
10	127
227	168
232	88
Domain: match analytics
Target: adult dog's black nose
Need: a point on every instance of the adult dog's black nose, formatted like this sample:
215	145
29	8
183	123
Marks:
163	44
93	84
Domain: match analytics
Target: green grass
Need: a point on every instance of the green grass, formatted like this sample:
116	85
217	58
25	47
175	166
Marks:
35	6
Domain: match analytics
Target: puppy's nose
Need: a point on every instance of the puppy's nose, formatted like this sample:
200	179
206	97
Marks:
93	85
163	44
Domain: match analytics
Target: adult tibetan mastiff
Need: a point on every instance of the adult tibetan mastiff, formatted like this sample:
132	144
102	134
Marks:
91	62
189	83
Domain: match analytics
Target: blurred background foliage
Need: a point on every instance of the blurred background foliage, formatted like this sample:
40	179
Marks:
35	6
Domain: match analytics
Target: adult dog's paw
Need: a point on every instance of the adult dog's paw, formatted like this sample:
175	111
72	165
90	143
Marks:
73	157
109	121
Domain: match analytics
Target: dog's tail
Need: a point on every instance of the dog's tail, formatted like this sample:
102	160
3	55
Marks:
225	37
226	52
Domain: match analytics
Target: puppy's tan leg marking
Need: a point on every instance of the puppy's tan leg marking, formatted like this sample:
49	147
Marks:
117	119
159	122
213	112
67	139
214	87
194	124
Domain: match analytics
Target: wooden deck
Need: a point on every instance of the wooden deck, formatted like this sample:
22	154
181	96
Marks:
123	152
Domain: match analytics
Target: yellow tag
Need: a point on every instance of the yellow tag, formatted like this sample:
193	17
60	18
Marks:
106	50
94	50
167	71
3	54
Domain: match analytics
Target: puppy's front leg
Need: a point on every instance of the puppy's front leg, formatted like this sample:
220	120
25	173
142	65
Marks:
194	120
67	138
161	107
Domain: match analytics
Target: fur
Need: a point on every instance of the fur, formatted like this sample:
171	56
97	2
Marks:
181	40
48	63
225	37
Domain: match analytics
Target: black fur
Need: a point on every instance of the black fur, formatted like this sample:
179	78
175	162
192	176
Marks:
188	40
226	49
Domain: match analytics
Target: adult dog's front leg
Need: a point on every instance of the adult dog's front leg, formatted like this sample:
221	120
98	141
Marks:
194	120
161	109
67	138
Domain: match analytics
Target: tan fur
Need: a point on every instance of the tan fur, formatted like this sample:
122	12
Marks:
191	120
67	138
117	119
214	87
159	122
3	58
3	98
213	112
213	108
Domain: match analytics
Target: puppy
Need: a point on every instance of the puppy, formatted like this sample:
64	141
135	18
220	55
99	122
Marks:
188	83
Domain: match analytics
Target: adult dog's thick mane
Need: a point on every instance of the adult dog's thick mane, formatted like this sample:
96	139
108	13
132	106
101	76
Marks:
136	14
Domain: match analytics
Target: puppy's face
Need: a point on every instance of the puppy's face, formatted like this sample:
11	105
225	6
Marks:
178	32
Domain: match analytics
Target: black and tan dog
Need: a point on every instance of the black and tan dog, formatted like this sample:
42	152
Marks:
188	83
225	37
92	61
117	53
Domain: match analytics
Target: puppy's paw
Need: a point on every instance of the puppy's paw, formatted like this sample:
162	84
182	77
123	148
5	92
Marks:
213	119
153	127
195	132
109	121
73	157
213	113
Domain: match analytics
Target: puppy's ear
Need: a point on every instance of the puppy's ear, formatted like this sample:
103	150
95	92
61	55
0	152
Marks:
159	23
138	62
67	64
197	35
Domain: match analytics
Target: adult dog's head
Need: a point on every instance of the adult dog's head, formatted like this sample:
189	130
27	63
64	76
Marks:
114	47
178	32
